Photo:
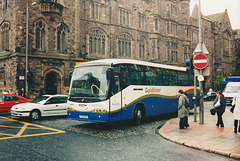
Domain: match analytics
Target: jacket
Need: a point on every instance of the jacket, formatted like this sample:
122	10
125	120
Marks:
222	107
182	110
236	112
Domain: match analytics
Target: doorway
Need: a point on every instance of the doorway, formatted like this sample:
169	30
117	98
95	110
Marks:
52	83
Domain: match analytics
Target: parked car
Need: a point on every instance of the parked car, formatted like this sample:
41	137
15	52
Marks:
8	100
210	96
46	105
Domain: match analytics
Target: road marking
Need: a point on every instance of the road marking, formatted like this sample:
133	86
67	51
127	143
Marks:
24	127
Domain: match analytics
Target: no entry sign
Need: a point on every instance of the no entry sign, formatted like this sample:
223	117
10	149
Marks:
200	61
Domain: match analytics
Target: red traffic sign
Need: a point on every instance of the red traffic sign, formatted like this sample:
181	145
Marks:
200	61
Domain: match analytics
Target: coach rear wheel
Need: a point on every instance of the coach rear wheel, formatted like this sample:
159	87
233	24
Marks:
138	116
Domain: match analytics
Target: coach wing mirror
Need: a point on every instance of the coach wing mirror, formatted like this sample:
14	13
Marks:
109	73
70	76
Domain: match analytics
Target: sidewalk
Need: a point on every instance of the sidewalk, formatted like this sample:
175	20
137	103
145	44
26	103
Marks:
205	136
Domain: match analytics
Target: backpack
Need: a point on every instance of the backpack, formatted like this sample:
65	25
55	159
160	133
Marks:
186	103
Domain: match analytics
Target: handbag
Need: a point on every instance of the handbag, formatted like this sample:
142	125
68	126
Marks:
212	111
232	108
218	104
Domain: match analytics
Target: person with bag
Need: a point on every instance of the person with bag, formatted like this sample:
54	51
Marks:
236	112
182	110
219	105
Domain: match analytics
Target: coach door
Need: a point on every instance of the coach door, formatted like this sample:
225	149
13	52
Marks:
116	99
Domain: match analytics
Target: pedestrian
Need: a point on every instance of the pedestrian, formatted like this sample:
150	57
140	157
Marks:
23	93
42	92
182	110
219	105
10	91
236	112
17	92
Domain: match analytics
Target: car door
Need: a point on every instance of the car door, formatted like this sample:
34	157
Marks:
9	101
63	105
51	106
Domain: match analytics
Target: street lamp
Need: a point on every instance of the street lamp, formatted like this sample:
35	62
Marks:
27	42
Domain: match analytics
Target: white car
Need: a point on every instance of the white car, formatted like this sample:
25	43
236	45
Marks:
46	105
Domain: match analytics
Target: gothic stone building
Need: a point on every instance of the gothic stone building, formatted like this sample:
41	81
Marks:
65	32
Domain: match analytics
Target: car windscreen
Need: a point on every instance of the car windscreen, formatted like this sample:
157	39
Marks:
232	89
1	98
39	99
89	82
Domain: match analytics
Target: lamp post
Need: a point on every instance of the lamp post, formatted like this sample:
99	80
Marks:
27	43
26	72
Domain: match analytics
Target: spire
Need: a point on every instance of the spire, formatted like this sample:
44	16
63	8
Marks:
195	12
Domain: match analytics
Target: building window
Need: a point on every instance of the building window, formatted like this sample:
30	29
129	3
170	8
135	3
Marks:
172	51
195	36
187	32
5	36
158	49
226	47
157	21
142	48
158	6
153	49
96	11
61	38
2	75
173	9
168	13
141	21
172	29
40	35
5	5
97	39
124	16
124	45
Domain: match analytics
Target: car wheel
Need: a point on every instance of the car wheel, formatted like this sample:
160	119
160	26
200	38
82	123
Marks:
35	115
138	116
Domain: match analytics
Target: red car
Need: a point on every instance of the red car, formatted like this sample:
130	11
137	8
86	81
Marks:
8	100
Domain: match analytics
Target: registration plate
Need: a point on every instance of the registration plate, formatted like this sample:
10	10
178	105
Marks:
83	116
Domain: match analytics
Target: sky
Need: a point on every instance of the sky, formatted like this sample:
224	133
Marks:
209	7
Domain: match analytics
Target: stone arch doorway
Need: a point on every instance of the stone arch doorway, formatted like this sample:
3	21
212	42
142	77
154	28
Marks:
52	83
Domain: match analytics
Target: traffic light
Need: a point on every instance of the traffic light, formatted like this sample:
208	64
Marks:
29	77
189	64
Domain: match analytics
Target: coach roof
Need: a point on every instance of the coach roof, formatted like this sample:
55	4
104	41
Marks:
129	61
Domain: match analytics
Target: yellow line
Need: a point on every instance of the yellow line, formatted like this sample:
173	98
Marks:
18	127
22	136
22	130
6	134
26	126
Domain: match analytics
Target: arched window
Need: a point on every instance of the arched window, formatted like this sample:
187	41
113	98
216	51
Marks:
5	36
61	38
40	35
124	45
97	39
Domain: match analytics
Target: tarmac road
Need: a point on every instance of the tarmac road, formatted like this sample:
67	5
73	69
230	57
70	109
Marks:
58	138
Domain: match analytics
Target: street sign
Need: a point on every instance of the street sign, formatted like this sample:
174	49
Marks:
200	61
200	78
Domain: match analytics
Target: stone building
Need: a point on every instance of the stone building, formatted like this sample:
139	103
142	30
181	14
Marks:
65	32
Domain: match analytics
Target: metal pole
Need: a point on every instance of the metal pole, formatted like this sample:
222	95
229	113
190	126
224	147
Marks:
195	94
201	108
26	81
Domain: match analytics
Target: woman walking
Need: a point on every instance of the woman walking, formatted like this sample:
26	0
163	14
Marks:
236	112
219	106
